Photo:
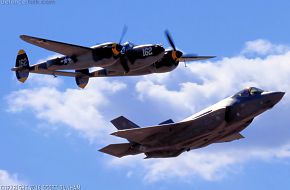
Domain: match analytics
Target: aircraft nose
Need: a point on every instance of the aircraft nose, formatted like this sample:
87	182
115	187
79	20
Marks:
273	98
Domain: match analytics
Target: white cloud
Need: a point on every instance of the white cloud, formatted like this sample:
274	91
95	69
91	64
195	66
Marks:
208	164
76	108
264	47
45	80
8	179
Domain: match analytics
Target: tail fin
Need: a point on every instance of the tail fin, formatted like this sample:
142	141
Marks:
21	66
122	123
168	121
120	150
82	81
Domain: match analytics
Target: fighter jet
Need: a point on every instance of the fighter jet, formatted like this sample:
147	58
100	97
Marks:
114	59
221	122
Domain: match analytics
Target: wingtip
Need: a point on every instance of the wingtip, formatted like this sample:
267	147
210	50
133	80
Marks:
26	37
210	57
117	134
22	36
101	150
114	134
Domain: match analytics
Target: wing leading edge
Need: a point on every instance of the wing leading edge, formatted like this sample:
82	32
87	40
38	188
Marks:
58	47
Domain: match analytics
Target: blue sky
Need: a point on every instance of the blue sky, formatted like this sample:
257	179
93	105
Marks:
51	130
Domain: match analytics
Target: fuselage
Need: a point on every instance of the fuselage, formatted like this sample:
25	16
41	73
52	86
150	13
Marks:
240	110
106	56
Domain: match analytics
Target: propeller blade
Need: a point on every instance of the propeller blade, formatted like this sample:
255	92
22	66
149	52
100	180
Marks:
124	31
170	40
178	55
190	55
124	63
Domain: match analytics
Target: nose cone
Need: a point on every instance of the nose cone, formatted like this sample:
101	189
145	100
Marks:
179	54
272	98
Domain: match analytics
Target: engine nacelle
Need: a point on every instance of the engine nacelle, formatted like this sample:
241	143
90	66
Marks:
166	64
106	51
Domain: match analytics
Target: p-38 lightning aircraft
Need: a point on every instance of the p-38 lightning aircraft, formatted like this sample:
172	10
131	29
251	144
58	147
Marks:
219	123
115	59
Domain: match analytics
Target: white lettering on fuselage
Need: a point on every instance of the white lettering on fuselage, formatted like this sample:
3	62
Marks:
147	51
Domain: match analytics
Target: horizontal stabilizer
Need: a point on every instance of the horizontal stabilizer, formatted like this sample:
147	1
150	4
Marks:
166	122
122	123
118	150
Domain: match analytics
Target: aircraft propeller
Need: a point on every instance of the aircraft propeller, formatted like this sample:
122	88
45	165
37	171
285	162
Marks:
124	31
123	58
178	56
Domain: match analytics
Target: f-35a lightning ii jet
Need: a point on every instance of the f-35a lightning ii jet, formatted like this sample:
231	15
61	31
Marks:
219	123
115	59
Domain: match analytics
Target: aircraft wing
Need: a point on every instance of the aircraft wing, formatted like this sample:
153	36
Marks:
194	58
58	47
232	137
147	134
140	134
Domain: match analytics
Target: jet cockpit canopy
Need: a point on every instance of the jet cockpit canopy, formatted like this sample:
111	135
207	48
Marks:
251	91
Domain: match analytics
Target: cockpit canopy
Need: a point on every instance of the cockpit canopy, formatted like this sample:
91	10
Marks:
251	91
127	46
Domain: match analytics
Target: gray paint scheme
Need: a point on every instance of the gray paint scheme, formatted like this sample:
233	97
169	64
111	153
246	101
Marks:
221	122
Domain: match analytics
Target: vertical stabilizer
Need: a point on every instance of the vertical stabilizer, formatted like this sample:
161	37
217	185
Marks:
122	123
21	66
